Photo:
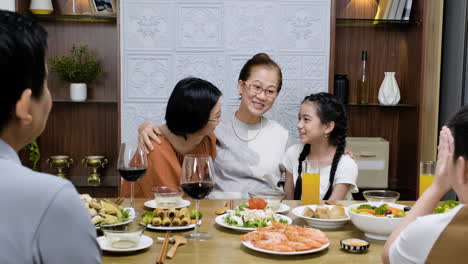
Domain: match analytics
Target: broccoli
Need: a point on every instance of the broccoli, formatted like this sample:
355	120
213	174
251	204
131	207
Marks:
381	209
365	206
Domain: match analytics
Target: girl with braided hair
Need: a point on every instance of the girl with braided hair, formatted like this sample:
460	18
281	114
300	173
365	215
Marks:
322	125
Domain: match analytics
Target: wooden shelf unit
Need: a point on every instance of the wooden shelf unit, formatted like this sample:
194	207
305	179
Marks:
392	46
92	127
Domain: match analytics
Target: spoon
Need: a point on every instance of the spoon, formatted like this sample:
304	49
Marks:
179	240
221	210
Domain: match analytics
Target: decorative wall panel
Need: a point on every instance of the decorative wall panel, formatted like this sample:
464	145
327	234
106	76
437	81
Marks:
165	41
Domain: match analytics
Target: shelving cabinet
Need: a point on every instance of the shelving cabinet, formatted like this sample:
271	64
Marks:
404	47
80	129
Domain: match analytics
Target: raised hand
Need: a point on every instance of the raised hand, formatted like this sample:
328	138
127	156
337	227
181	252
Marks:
444	158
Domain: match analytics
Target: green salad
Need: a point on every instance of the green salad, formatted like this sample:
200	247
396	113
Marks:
445	206
241	216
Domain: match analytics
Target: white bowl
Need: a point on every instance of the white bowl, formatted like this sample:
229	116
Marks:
326	224
375	227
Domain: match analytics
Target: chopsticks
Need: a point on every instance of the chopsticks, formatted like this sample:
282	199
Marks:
162	251
119	200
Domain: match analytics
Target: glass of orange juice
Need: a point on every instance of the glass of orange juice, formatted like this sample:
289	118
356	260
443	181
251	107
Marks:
310	182
426	175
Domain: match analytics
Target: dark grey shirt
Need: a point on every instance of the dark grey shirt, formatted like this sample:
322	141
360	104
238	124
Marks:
42	218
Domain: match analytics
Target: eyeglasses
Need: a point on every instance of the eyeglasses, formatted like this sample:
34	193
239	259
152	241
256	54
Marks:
257	89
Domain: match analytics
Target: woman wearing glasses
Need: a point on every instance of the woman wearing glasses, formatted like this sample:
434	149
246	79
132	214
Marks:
193	112
250	146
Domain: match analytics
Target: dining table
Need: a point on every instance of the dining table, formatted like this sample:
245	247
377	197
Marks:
225	244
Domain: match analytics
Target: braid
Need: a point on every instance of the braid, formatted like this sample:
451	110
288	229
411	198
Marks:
337	137
298	188
336	158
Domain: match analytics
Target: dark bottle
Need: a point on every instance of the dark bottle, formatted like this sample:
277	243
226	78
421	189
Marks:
341	88
363	82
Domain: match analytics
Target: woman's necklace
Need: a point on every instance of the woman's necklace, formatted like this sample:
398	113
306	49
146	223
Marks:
237	135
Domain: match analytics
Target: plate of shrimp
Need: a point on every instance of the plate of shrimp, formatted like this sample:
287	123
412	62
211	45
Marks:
283	239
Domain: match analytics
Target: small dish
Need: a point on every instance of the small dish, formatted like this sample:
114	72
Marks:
152	204
354	245
385	196
123	237
167	196
283	209
145	242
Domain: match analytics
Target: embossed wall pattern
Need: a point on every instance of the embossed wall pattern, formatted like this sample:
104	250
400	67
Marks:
165	41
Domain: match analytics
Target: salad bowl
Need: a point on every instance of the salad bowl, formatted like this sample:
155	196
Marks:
375	227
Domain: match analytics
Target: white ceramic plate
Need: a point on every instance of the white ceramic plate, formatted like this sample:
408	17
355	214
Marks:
132	216
145	242
172	228
249	245
284	208
325	224
220	221
154	205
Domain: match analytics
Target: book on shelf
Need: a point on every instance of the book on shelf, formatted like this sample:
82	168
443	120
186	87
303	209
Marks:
400	9
407	12
393	9
381	9
387	9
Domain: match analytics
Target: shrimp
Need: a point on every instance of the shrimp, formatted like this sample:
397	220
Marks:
269	245
252	236
286	238
298	246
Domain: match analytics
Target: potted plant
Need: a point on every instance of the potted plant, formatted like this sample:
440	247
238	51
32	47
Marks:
79	68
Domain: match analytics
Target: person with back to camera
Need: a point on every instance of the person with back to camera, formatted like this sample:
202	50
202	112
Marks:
43	219
193	111
322	126
423	237
250	146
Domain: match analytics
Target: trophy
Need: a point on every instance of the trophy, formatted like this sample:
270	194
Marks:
60	162
94	162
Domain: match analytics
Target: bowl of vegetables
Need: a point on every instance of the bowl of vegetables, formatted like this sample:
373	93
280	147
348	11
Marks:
377	219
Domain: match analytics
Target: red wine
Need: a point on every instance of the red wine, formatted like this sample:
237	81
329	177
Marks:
132	174
197	190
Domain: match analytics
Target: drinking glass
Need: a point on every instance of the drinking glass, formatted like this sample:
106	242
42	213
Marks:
310	182
132	165
426	175
196	180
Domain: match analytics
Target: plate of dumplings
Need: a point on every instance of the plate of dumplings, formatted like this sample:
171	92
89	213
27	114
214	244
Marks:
325	217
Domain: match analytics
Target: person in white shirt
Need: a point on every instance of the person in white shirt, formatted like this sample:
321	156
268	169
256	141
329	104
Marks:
417	237
322	126
43	219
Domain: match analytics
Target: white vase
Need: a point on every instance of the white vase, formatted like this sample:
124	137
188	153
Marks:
41	7
389	93
78	92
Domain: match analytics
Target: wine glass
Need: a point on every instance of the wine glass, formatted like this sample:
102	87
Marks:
197	181
132	165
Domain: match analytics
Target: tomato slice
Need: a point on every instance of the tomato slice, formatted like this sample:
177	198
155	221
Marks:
257	203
